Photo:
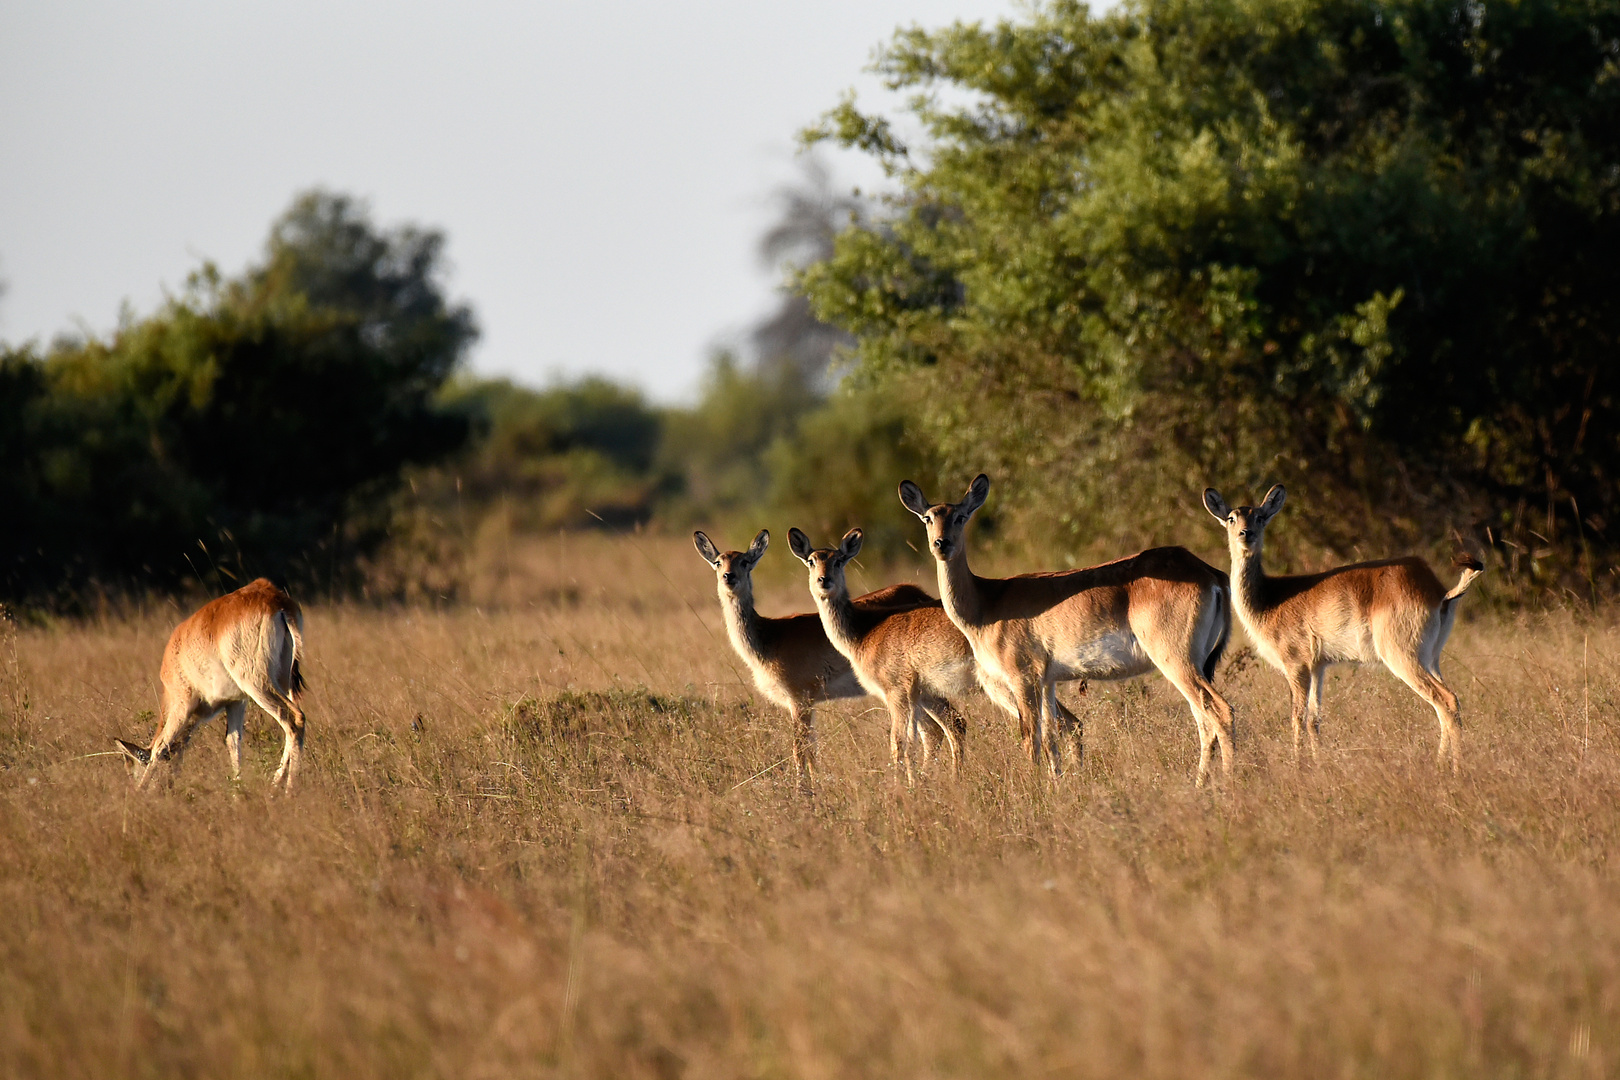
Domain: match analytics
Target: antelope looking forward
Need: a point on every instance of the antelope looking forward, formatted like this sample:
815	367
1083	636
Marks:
914	660
793	663
242	647
1395	611
1163	608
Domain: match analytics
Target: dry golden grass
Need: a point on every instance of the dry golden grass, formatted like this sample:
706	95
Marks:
557	837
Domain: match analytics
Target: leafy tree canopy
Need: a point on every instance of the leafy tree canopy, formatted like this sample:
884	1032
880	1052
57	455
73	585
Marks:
1366	246
250	425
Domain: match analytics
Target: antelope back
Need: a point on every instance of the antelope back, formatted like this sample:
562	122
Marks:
250	633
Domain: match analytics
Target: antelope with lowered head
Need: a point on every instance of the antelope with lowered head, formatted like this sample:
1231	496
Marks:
792	661
244	646
1394	610
915	660
1164	608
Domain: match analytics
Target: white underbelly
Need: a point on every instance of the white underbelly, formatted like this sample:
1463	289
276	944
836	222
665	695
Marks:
846	685
1346	644
954	680
1112	656
842	685
1319	650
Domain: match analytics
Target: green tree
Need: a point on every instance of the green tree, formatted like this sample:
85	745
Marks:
717	449
572	455
252	425
1362	246
840	466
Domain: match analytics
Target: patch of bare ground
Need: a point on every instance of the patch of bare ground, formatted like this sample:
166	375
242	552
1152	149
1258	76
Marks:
556	835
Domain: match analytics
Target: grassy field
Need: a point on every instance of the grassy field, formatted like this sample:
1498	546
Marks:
554	834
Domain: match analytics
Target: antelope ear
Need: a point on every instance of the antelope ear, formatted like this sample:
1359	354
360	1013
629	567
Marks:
757	549
705	547
1274	501
799	544
1216	505
851	545
977	492
911	497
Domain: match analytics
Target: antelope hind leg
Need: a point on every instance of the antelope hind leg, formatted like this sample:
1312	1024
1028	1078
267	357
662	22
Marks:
943	725
291	718
1440	698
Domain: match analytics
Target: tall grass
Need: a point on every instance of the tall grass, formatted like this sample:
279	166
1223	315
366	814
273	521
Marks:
557	835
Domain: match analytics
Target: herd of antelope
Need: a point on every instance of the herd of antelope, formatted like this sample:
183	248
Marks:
1012	638
1016	638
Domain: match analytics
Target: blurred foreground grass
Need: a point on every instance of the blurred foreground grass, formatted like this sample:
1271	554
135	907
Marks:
555	835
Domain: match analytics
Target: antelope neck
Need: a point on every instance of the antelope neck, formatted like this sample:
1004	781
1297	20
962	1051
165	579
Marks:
1248	577
838	615
959	589
742	621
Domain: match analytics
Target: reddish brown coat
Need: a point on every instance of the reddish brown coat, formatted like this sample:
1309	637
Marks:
915	660
244	646
1164	608
1394	611
790	658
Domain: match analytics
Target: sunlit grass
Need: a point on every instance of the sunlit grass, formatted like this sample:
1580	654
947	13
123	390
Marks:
558	835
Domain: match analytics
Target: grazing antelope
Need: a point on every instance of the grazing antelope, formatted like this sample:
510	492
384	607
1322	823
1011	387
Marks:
793	663
1163	608
244	646
1394	610
915	660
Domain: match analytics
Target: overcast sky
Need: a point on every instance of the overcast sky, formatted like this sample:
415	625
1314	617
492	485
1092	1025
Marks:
602	169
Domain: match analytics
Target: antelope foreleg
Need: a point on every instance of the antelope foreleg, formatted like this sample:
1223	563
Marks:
1299	698
804	746
1071	730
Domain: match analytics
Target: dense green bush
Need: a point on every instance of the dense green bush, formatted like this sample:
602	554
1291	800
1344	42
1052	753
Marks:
567	456
717	449
840	467
251	425
1363	247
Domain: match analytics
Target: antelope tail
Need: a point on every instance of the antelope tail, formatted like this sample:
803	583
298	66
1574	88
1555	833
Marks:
293	619
1471	569
1223	613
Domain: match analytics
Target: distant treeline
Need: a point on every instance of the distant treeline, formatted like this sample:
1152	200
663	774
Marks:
762	447
1366	249
310	420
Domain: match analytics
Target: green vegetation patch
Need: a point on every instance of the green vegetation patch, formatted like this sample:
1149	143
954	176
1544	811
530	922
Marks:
577	714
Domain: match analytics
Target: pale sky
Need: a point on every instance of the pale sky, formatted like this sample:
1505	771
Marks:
602	170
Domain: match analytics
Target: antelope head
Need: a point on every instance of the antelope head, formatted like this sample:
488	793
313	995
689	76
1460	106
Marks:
826	564
1246	525
945	521
733	570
